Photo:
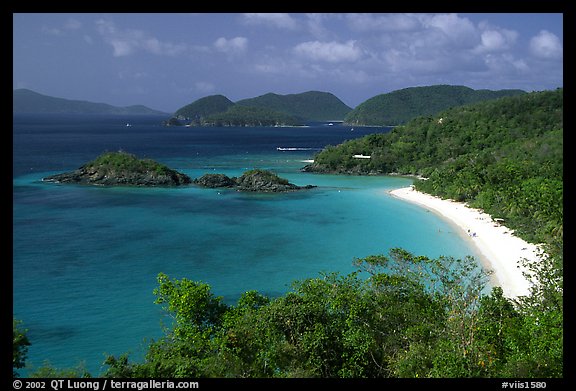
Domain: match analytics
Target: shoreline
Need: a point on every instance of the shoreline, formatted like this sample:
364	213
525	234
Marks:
500	250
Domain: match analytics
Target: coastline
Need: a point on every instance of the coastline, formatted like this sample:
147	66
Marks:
501	251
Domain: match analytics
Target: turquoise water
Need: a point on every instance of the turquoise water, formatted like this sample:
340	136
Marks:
85	259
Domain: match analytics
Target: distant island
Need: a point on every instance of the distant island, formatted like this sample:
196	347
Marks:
27	101
265	110
122	169
390	109
256	180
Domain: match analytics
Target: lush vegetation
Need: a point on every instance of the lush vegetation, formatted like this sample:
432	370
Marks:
504	156
398	316
411	317
265	110
307	106
122	169
118	162
20	343
398	107
196	111
264	175
249	116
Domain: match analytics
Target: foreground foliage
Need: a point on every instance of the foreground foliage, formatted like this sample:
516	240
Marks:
20	343
397	316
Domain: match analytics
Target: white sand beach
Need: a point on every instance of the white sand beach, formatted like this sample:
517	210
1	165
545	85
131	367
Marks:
501	250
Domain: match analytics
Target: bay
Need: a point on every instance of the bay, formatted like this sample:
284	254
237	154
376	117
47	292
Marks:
86	259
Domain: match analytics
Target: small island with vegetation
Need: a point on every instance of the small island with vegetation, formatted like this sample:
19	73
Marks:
256	180
125	169
122	169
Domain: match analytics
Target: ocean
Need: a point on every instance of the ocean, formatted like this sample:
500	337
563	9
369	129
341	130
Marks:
86	259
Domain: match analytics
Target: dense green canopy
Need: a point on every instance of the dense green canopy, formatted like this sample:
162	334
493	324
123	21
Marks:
204	107
265	110
400	106
306	106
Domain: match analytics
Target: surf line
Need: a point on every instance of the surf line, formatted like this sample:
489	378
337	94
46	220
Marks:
297	149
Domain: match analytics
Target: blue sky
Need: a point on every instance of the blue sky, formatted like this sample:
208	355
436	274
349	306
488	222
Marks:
167	60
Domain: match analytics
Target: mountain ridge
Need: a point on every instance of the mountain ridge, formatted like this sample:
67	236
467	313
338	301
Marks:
307	106
29	101
400	106
267	109
387	109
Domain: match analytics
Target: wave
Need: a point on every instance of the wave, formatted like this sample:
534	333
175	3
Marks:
297	149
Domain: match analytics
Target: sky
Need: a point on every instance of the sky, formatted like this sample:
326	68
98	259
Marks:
168	60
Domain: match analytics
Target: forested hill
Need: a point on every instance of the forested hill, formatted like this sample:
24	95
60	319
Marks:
204	107
265	110
398	107
307	106
504	156
27	101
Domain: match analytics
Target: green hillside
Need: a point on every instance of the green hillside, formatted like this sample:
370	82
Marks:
238	115
307	106
203	107
400	106
265	110
27	101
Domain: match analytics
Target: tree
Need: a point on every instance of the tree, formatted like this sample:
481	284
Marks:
20	345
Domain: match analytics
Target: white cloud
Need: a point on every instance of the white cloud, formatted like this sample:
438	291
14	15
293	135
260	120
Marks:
129	41
329	51
496	40
70	25
503	64
236	45
454	29
315	25
280	20
153	45
546	45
